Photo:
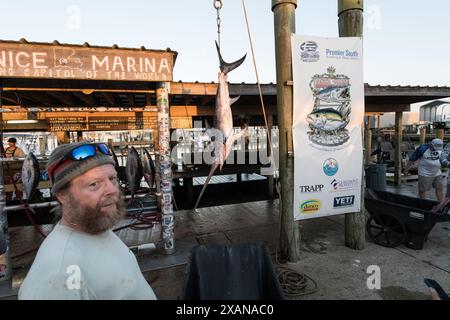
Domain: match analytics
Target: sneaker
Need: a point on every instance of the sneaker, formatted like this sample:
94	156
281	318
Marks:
447	226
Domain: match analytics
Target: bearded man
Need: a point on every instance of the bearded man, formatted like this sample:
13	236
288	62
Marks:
82	258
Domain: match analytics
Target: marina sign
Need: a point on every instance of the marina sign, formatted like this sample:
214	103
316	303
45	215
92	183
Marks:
49	61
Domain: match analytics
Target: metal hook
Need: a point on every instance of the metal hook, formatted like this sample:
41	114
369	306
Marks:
217	4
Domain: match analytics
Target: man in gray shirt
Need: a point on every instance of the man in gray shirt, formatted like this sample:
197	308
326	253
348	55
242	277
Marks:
444	158
82	258
430	175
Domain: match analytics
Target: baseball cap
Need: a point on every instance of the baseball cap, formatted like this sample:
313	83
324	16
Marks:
437	144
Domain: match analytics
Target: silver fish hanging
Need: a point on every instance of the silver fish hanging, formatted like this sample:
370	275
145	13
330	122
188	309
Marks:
223	121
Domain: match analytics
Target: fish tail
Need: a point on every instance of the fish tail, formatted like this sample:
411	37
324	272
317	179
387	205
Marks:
211	172
226	67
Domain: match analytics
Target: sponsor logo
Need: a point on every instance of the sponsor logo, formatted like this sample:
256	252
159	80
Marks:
309	51
330	167
342	54
313	188
340	202
310	206
344	185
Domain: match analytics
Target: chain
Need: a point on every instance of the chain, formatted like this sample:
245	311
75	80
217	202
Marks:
218	5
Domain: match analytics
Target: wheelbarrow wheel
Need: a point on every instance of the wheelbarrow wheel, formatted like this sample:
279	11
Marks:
386	230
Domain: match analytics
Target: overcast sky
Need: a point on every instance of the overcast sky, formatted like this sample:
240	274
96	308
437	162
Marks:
405	41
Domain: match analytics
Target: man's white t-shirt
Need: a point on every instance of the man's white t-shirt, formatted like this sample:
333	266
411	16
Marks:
75	265
429	164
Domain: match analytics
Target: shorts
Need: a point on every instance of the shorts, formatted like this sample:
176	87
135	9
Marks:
426	183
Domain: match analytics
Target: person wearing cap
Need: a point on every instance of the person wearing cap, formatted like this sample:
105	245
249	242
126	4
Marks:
13	151
82	258
445	162
429	168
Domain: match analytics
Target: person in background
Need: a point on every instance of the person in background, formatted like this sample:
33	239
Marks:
13	151
444	158
430	175
82	258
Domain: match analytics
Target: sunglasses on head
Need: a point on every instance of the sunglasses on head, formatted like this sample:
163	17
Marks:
79	153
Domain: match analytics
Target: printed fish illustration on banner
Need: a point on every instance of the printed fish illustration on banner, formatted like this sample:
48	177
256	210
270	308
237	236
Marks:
331	111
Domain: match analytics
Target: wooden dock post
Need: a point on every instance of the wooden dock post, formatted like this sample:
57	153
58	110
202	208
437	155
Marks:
270	179
42	146
63	137
165	166
423	134
367	140
350	13
5	259
398	148
284	19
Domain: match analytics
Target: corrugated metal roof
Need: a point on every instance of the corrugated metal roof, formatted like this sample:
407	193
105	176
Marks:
435	103
365	85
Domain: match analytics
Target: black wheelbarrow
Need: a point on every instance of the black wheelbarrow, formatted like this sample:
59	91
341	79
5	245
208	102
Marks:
398	219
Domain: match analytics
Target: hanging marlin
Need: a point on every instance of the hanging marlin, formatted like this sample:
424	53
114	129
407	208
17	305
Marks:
30	175
223	120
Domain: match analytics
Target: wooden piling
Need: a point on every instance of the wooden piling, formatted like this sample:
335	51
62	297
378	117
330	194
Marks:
5	259
350	13
165	167
270	179
423	135
440	134
398	148
367	141
284	19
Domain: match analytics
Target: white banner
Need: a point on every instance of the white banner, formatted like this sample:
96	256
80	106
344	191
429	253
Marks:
327	120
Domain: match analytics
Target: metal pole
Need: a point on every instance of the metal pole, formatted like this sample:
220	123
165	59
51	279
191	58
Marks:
165	166
398	148
5	259
284	18
350	13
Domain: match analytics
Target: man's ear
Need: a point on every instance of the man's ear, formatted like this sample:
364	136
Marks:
62	197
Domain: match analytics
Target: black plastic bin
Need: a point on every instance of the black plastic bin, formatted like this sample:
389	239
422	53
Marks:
231	272
376	176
